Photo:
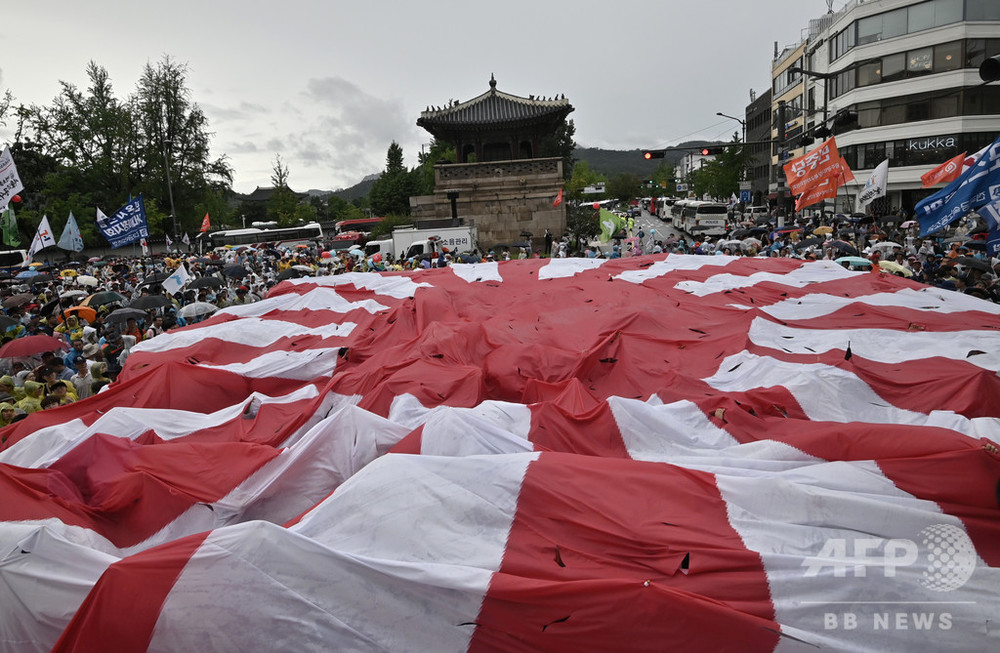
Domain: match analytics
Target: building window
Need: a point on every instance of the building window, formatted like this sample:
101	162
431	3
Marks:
919	62
982	10
947	56
870	73
893	67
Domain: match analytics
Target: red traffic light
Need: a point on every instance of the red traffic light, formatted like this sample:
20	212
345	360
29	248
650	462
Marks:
647	155
654	154
709	151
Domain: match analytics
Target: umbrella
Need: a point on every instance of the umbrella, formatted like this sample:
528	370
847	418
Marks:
150	301
200	259
27	274
85	312
42	278
895	268
908	224
885	244
722	244
206	282
68	273
73	294
123	314
7	322
50	306
31	345
235	271
288	274
740	233
975	244
102	298
808	242
18	300
970	262
751	241
304	268
854	260
846	248
822	231
93	259
87	280
196	309
156	277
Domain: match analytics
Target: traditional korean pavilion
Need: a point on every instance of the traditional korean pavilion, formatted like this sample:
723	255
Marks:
496	126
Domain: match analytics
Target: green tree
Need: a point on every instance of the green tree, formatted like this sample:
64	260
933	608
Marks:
560	143
583	176
438	153
283	205
719	178
624	187
390	194
582	222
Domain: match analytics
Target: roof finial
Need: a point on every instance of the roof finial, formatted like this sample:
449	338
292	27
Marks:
493	82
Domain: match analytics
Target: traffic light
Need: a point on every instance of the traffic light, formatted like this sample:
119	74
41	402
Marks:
845	121
654	154
709	151
806	141
989	70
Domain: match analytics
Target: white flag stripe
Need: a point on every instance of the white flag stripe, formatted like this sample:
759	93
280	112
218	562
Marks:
397	287
924	299
317	299
489	271
558	268
881	345
248	331
806	274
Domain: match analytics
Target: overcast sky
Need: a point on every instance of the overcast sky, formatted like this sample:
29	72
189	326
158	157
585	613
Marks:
328	85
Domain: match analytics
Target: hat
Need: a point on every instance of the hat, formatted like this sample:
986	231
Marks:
31	386
6	379
89	351
242	289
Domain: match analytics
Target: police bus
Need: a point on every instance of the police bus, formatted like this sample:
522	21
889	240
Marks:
307	234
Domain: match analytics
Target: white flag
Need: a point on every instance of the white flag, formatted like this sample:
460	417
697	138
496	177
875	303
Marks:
10	183
176	281
186	240
71	239
145	246
170	243
43	237
875	187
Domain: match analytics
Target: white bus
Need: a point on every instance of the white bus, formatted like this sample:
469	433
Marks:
307	234
704	218
13	261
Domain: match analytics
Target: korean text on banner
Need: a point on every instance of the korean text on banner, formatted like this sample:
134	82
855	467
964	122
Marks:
812	168
10	183
127	225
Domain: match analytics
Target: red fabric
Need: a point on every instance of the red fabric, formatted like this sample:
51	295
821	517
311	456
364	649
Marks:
205	224
639	556
947	171
132	590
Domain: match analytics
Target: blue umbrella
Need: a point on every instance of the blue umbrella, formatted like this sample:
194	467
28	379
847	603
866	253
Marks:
854	260
27	274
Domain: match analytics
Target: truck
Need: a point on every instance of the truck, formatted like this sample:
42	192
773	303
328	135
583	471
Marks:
408	242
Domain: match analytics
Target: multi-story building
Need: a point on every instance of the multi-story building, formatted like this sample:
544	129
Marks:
908	69
758	154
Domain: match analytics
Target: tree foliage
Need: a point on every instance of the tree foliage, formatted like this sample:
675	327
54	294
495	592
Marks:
390	194
624	187
582	222
90	148
561	144
439	152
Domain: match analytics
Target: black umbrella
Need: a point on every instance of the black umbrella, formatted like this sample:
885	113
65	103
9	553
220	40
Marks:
235	271
975	244
7	322
150	301
214	262
288	274
847	248
102	298
740	234
974	263
808	242
759	230
18	300
156	277
41	278
202	259
123	314
206	282
49	307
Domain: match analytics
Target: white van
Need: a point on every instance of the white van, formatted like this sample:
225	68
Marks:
13	260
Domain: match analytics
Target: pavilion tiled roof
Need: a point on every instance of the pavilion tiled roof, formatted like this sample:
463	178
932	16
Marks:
494	107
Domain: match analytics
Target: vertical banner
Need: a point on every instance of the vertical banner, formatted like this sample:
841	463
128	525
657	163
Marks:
10	183
127	225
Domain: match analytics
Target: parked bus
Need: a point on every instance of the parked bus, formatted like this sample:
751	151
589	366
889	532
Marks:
13	261
307	234
364	225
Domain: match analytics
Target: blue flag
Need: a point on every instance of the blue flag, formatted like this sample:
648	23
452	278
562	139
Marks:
127	225
71	239
991	213
976	187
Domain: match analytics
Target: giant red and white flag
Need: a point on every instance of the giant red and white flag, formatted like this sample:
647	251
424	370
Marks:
653	453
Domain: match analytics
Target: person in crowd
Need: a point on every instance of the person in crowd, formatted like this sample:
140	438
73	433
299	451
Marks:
49	401
33	393
82	380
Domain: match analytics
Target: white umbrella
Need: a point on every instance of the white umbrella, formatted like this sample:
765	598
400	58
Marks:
303	268
87	280
751	241
196	309
884	245
73	293
722	244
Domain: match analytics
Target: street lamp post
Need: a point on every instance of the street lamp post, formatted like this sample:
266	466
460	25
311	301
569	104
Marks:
170	190
743	141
